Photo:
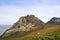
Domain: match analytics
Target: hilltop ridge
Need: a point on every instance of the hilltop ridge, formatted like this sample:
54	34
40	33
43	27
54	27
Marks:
54	20
25	23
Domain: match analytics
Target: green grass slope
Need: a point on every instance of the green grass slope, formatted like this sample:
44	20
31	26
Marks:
50	36
49	33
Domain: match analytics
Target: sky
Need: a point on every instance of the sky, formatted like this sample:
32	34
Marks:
12	10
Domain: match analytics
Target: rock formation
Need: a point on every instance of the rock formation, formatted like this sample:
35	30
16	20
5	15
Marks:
54	20
25	23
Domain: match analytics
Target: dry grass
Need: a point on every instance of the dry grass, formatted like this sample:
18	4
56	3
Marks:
42	31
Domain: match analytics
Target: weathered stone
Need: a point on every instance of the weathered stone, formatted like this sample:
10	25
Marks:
25	23
54	20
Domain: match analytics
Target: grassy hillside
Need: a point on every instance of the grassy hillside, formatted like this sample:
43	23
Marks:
50	36
51	32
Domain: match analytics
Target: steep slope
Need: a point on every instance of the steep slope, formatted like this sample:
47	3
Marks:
25	24
55	35
33	34
42	31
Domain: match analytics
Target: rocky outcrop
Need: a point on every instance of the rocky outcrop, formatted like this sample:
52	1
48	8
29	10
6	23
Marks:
54	20
25	23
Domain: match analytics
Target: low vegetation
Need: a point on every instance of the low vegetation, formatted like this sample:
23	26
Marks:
49	33
50	36
31	28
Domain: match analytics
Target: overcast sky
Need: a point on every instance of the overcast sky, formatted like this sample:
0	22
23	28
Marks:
12	10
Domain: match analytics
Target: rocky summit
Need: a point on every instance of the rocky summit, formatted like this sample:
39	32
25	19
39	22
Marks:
25	23
54	20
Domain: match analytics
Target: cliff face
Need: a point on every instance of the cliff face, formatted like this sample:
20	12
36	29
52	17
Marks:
25	23
54	20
